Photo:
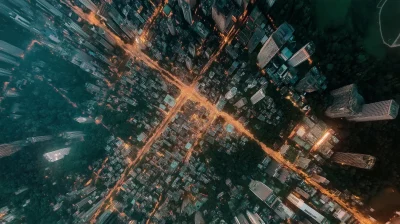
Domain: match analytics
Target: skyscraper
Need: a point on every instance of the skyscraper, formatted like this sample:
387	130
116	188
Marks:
104	217
43	4
90	5
187	13
221	15
221	103
353	159
254	218
76	28
231	93
242	3
57	154
192	3
171	26
262	191
8	59
383	110
11	148
255	39
256	20
241	219
270	3
274	43
306	209
259	95
347	102
303	54
5	72
311	82
107	36
32	140
10	49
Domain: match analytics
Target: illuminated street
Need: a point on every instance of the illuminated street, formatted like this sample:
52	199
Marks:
195	111
189	92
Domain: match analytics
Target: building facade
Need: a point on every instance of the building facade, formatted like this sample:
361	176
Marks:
259	95
274	43
346	102
312	81
303	54
354	159
383	110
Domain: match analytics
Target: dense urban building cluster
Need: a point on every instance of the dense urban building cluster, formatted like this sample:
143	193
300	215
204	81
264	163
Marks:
205	108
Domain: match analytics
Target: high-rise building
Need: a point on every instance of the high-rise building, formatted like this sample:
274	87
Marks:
171	26
32	140
311	82
105	44
43	4
200	29
117	22
290	77
383	110
192	3
76	29
354	159
20	20
274	43
189	63
84	120
262	191
8	12
72	134
24	7
221	15
347	102
90	5
86	216
303	54
231	93
254	218
270	3
104	217
10	49
10	148
8	59
187	13
57	154
221	103
242	3
5	72
110	39
255	39
259	95
256	20
306	209
241	219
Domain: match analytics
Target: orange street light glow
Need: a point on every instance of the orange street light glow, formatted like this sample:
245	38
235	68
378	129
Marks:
189	92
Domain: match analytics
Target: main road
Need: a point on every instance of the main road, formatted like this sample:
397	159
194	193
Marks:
189	92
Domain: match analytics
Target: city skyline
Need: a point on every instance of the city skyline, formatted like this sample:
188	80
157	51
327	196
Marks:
186	101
